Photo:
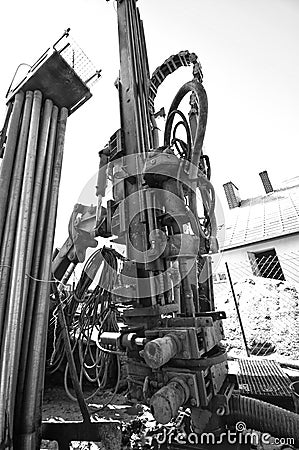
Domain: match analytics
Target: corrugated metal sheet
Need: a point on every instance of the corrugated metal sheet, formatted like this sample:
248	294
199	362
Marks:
265	217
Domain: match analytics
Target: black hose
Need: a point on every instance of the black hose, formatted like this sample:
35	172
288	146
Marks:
182	122
197	87
264	417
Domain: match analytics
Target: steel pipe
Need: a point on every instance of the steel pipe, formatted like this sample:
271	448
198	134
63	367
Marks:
4	129
37	212
38	182
13	209
12	331
36	262
42	217
8	158
36	360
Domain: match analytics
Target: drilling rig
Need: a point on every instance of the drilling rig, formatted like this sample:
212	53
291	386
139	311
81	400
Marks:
162	212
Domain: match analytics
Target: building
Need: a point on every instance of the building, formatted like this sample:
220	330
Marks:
261	233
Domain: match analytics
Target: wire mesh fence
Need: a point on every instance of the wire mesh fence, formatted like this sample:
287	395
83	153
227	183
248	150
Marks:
78	60
266	289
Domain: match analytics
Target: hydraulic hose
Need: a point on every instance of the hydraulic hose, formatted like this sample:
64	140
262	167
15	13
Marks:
264	417
196	87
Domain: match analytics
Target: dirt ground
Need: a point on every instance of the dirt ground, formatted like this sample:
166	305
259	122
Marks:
269	311
138	425
134	419
58	405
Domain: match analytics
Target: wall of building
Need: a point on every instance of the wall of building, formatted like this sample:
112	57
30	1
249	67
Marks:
287	249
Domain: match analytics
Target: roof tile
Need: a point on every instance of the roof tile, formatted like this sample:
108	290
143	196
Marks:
269	216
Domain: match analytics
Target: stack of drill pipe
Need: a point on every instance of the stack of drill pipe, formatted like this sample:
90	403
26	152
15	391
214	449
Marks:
29	183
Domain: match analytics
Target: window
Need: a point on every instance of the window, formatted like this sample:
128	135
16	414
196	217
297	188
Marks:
266	264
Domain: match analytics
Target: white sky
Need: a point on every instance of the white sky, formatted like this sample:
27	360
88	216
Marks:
249	53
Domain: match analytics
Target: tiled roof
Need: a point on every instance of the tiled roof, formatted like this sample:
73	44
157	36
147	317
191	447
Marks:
265	217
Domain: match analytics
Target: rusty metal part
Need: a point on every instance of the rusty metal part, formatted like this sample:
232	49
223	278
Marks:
194	341
166	402
158	352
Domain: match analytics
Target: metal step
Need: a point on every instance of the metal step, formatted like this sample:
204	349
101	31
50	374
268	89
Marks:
265	380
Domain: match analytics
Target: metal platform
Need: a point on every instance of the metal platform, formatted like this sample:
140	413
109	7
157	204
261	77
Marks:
53	76
265	380
64	74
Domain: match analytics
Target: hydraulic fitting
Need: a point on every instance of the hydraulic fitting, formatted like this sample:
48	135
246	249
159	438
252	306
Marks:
121	341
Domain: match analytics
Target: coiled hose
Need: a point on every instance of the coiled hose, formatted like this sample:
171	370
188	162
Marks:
264	417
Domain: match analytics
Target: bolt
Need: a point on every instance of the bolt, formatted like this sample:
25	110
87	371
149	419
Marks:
190	381
181	337
193	402
185	354
153	161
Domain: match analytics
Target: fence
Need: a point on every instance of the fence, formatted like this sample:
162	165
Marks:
267	295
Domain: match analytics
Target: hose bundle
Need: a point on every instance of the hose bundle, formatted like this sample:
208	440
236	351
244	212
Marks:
88	313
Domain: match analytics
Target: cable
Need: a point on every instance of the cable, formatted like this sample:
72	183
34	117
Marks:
115	390
88	314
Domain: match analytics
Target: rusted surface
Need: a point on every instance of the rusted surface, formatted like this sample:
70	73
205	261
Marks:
166	402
